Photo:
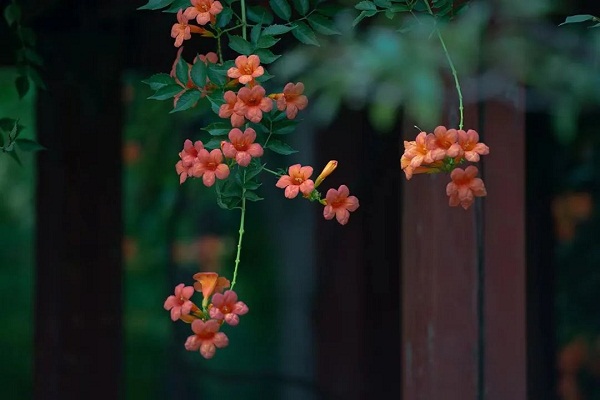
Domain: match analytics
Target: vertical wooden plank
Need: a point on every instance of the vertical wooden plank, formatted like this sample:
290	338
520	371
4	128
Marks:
78	278
504	242
439	285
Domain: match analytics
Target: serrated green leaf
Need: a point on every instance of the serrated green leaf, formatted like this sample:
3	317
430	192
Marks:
15	157
186	101
217	73
214	143
198	73
252	185
280	148
22	84
8	125
572	19
284	127
255	33
266	41
178	5
224	17
260	15
216	102
264	77
383	3
253	169
182	71
281	8
240	45
304	34
362	16
389	14
266	56
155	4
29	145
158	81
275	30
12	13
166	92
218	128
399	8
251	196
366	6
322	25
301	6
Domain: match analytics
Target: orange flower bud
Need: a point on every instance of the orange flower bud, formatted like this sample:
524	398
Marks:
329	168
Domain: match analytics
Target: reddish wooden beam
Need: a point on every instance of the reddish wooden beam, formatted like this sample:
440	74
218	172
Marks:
504	254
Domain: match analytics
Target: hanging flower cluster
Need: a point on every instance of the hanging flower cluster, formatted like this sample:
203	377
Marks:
248	119
443	151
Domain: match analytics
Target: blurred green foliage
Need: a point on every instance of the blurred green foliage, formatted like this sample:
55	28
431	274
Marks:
17	224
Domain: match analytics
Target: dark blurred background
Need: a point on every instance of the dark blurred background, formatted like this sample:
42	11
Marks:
96	231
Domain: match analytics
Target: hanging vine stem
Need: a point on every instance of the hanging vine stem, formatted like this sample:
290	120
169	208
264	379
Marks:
452	68
241	232
243	2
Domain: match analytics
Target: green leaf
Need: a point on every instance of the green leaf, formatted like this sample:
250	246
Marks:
366	6
218	128
251	196
198	73
158	81
281	8
383	3
274	30
12	13
178	5
11	127
15	157
29	145
595	26
22	84
224	17
251	185
260	15
217	74
577	18
216	103
255	33
389	14
304	34
166	92
253	169
182	71
264	77
266	41
186	101
279	147
266	56
399	8
362	16
240	45
301	6
284	127
322	25
214	143
155	4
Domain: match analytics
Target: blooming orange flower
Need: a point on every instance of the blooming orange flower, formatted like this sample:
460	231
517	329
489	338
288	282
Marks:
210	166
204	11
252	103
446	139
227	307
420	152
297	181
189	156
206	338
246	69
465	187
179	304
292	99
469	141
227	109
181	30
209	283
339	204
242	146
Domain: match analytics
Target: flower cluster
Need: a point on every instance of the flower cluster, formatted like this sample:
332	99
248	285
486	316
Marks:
219	306
443	151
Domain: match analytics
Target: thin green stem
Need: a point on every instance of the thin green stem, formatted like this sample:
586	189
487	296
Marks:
241	232
270	133
452	68
219	51
271	172
244	23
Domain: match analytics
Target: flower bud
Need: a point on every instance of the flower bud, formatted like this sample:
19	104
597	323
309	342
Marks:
329	168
